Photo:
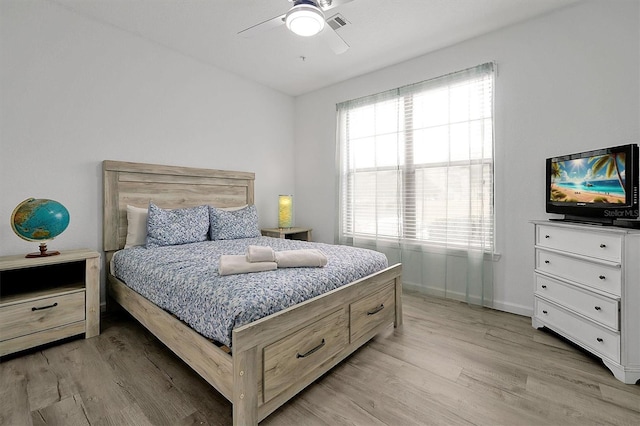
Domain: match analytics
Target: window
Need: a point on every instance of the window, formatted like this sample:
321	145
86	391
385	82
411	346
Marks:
416	163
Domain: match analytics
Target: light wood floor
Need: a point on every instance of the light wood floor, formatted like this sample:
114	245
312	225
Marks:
449	364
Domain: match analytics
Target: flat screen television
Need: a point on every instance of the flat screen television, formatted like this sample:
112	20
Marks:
598	186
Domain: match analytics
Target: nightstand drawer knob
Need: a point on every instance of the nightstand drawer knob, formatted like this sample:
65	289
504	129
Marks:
600	339
544	286
602	277
546	236
544	312
45	307
598	308
547	262
603	246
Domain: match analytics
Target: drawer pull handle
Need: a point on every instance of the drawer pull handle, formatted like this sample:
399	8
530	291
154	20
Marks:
603	246
544	286
546	261
602	277
546	236
306	354
598	308
376	310
600	339
544	312
45	307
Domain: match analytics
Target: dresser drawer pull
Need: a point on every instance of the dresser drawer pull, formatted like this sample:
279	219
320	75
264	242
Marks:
603	246
547	262
600	339
544	312
598	308
306	354
546	236
544	286
602	277
376	310
45	307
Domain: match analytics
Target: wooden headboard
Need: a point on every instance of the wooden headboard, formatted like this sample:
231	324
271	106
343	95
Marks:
168	187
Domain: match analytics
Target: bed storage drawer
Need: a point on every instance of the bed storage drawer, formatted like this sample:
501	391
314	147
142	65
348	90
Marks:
31	316
366	314
304	351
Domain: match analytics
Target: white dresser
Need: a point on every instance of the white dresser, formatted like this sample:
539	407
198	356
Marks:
587	289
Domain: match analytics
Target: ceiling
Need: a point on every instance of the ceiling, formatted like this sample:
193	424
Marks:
380	33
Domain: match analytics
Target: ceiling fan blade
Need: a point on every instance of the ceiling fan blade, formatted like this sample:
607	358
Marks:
263	26
330	4
333	39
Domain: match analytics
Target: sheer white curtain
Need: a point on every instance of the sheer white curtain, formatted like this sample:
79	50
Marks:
416	181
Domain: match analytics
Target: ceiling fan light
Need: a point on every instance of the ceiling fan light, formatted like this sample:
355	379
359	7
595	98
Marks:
305	20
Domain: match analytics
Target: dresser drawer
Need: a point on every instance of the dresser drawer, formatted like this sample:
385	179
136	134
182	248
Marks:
599	340
28	317
368	313
302	352
601	309
593	274
593	244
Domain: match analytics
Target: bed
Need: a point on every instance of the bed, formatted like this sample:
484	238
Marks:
272	358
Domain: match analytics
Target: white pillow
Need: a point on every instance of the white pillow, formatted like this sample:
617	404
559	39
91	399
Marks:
136	226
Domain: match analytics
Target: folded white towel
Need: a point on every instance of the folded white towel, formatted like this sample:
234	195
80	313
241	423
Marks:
260	254
300	258
238	264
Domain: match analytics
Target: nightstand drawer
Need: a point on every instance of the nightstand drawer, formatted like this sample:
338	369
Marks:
597	307
592	244
28	317
601	341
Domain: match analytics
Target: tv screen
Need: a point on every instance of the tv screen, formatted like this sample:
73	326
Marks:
600	184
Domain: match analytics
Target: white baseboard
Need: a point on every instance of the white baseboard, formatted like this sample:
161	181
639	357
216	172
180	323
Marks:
439	292
512	308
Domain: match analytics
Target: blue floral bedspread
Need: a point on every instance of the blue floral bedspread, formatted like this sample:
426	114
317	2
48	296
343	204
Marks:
184	280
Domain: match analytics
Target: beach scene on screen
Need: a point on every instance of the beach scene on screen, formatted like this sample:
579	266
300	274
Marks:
598	179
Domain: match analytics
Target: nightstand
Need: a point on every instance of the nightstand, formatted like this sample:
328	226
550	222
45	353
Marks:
48	298
303	234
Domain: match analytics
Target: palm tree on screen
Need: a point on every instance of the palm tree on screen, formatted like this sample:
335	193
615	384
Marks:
556	170
609	161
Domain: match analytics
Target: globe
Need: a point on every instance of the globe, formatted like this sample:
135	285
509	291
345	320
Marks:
39	220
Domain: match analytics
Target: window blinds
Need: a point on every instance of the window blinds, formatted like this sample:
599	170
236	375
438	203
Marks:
416	163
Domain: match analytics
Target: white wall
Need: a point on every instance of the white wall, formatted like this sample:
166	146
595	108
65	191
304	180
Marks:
74	92
567	81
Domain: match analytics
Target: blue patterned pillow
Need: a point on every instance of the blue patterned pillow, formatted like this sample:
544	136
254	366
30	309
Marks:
230	225
179	226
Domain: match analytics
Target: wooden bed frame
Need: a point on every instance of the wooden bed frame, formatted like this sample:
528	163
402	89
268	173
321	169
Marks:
275	357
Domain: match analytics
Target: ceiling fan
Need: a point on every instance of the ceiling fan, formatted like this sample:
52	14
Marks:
306	18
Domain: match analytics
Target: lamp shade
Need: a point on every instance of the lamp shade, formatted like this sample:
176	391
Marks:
285	211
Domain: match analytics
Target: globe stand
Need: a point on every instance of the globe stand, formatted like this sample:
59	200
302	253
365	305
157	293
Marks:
43	252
